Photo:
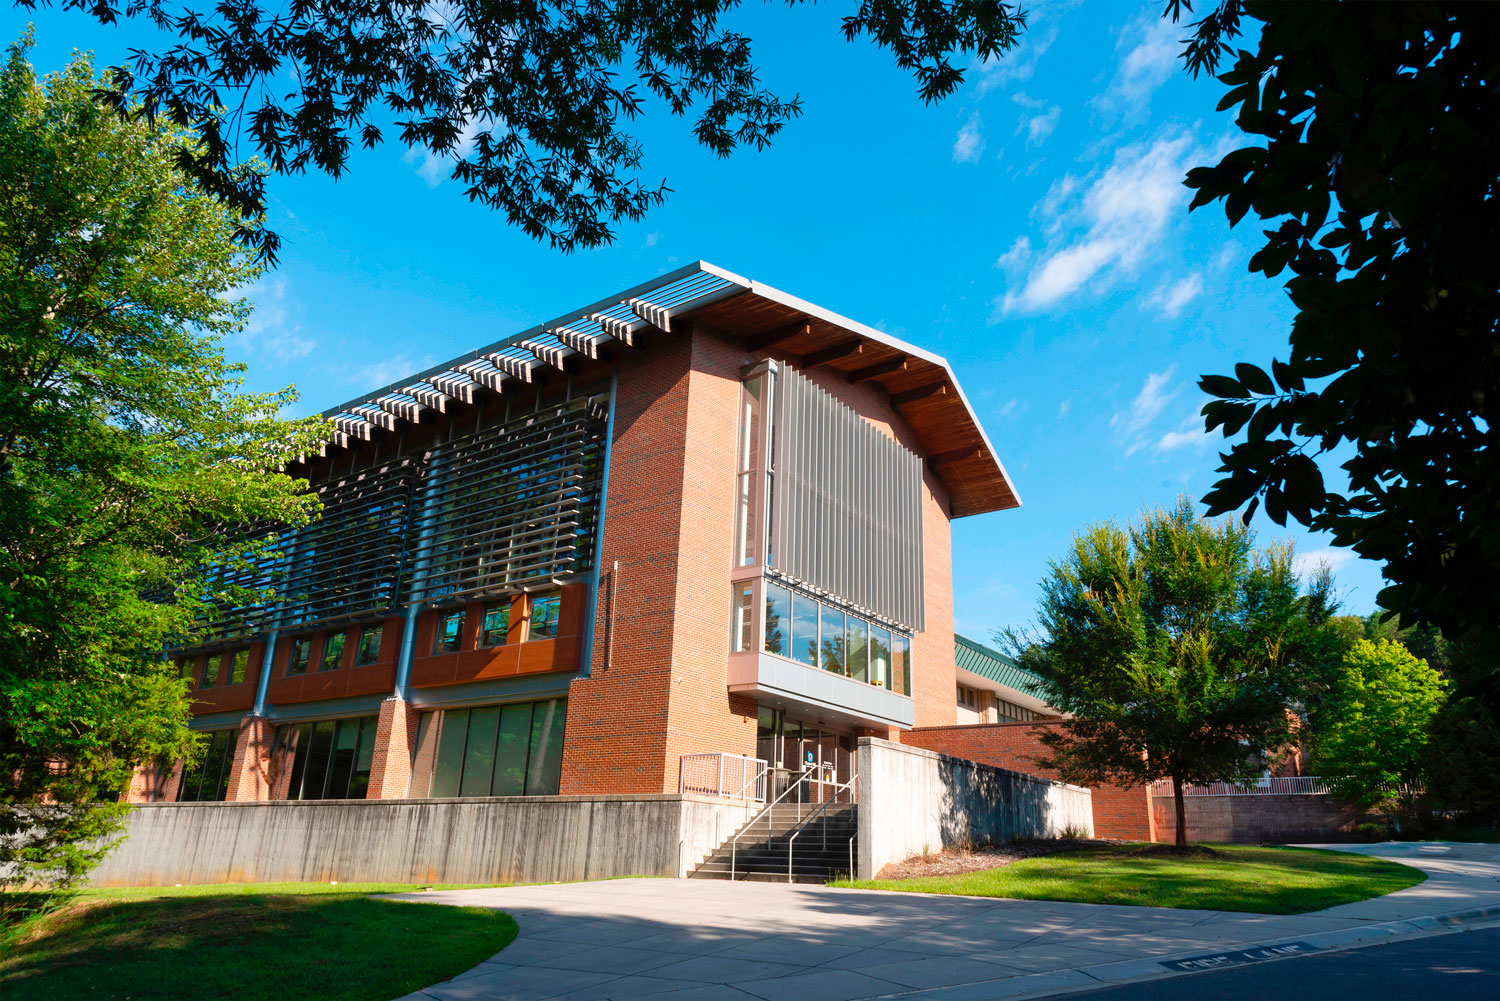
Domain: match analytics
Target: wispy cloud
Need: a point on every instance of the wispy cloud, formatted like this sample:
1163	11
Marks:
1130	424
1017	256
271	331
1336	559
969	146
1118	220
1170	298
434	168
1017	66
387	370
1151	48
1037	120
652	239
1187	435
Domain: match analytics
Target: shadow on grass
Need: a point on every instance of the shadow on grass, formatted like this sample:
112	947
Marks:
243	945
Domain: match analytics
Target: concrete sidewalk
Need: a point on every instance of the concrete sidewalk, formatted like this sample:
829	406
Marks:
701	940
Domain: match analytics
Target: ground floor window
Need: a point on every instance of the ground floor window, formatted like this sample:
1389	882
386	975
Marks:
329	759
208	780
501	750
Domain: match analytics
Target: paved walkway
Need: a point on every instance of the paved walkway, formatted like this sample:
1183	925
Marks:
702	940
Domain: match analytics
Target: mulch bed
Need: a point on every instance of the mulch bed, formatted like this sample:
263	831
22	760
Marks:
955	861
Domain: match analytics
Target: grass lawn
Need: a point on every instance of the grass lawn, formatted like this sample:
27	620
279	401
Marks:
1234	878
272	941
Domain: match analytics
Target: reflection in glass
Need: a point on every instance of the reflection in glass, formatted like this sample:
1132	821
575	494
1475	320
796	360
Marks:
510	755
450	632
858	633
544	613
496	624
544	770
901	663
296	662
450	752
833	650
369	646
742	618
804	629
333	652
880	656
778	619
479	753
239	666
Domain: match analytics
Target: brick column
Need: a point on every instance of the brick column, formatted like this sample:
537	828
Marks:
151	784
250	772
395	743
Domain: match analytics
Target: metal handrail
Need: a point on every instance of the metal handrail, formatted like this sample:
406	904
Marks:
690	782
734	844
802	826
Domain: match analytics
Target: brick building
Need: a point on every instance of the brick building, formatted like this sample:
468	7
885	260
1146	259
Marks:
699	517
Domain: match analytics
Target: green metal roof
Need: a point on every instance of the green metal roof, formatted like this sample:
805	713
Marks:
992	664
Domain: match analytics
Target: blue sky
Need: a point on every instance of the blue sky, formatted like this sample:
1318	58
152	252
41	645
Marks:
1032	228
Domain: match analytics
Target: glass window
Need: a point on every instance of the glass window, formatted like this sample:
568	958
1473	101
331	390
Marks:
184	667
858	633
211	670
544	612
833	649
369	645
901	663
511	750
804	629
544	767
880	656
238	666
333	652
742	618
450	632
479	752
496	624
208	780
330	759
296	662
778	619
501	750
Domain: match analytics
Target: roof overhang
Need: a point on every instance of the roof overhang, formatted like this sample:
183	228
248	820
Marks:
970	679
922	386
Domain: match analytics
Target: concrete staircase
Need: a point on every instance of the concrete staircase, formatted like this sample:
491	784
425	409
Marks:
763	847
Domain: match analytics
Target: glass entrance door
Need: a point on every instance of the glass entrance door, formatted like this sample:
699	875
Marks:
813	758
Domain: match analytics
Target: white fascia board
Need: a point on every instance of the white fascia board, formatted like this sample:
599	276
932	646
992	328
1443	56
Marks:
971	680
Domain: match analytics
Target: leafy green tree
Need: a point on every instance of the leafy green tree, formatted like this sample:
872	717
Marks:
1373	741
530	99
1371	169
124	444
1173	648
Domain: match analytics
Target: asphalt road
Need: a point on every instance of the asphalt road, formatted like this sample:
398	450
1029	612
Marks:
1464	966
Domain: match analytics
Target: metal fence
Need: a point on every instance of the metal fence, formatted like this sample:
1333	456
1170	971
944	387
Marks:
1295	785
732	776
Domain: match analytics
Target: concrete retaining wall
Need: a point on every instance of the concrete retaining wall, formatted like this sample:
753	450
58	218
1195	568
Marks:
1258	819
911	800
508	840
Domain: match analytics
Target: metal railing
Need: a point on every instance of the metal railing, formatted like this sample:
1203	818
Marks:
1293	785
734	844
791	843
730	776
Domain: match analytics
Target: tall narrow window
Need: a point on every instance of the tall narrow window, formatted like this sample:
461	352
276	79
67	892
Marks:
880	656
545	609
778	619
369	645
450	632
208	780
742	618
858	633
833	650
238	666
901	663
211	669
333	652
805	629
496	624
296	661
746	529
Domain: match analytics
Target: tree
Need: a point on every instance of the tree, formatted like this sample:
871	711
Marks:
1373	741
1172	649
1372	168
528	99
124	445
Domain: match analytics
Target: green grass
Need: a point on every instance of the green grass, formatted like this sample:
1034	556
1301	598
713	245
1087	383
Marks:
272	941
1235	878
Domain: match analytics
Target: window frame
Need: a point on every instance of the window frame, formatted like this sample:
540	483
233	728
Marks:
440	631
294	667
378	629
484	624
332	642
553	598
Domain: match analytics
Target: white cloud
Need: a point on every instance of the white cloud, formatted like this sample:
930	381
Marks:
1120	218
969	145
1189	434
1016	66
1017	256
652	239
1130	424
1148	63
1336	558
271	331
434	168
1227	255
1009	408
387	371
1038	120
1064	407
1170	299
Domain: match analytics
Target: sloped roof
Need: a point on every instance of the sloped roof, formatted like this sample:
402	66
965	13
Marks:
992	664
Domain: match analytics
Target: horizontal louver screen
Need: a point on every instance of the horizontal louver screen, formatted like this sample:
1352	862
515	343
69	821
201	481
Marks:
847	504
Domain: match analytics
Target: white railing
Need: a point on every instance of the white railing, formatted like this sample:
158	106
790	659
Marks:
730	776
1294	785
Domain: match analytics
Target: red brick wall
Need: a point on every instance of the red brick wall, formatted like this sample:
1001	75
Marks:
1119	812
395	744
250	772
